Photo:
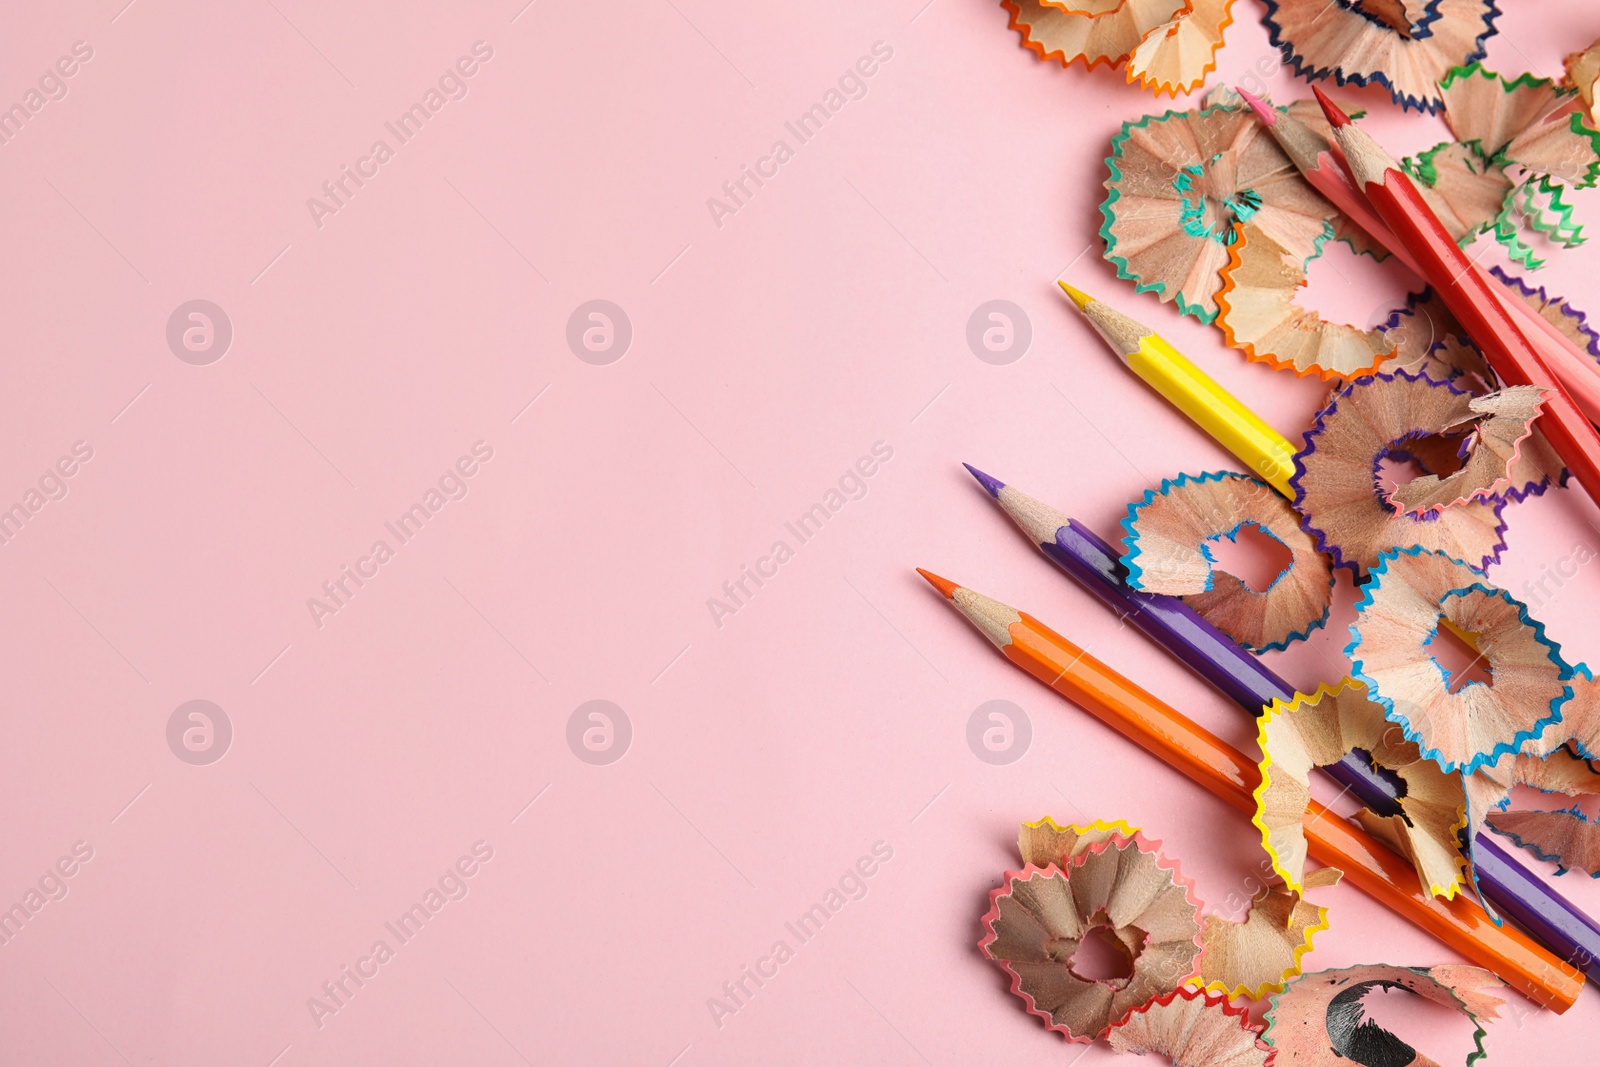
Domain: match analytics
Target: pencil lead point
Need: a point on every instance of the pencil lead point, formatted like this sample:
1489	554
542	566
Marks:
992	484
945	586
1079	297
1263	110
1336	116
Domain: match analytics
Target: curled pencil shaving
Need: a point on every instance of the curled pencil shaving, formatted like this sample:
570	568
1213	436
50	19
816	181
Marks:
1465	190
1497	425
1535	467
1542	204
1410	597
1535	127
1527	121
1577	731
1429	341
1175	57
1342	499
1045	844
1406	47
1088	8
1567	838
1246	958
1106	38
1180	181
1556	310
1038	919
1321	729
1319	1019
1583	76
1308	112
1168	552
1258	954
1259	316
1192	1029
1556	762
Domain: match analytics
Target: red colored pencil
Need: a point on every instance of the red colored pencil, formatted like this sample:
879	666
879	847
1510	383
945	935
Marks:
1471	298
1325	169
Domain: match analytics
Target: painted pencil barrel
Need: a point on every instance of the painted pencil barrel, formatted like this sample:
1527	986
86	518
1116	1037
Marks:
1166	620
1368	865
1266	452
1580	376
1476	306
1387	877
1527	900
1156	727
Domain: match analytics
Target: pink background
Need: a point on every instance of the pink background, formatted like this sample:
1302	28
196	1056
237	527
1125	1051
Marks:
768	354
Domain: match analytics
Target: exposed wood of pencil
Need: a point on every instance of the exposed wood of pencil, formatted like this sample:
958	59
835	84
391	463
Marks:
1167	734
1316	160
1202	399
1122	334
1468	294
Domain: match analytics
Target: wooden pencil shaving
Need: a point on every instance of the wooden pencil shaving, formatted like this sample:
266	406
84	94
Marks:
1257	955
1534	467
1583	77
1578	730
1497	425
1319	1021
1539	204
1466	191
1258	315
1178	184
1343	501
1556	762
1248	958
1045	844
1192	1029
1551	762
1168	536
1320	730
1525	121
1309	114
1411	595
1089	8
1558	311
1176	57
1106	38
1429	341
1039	918
1567	838
1522	140
1406	47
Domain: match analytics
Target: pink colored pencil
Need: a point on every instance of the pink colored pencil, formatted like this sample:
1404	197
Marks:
1328	173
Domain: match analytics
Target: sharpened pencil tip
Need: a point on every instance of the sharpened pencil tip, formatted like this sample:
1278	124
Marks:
1263	110
1336	116
992	484
944	585
1079	297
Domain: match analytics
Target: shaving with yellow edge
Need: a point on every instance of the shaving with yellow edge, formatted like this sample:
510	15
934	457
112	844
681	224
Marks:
1320	730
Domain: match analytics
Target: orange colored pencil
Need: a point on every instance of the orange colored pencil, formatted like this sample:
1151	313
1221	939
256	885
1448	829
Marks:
1471	298
1208	760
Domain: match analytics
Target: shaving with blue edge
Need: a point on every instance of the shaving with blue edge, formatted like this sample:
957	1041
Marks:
1168	536
1410	597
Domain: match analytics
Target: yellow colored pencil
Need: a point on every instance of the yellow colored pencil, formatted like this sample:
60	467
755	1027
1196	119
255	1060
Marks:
1192	391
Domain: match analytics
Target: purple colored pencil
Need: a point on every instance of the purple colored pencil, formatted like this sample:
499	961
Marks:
1546	915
